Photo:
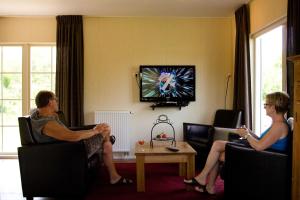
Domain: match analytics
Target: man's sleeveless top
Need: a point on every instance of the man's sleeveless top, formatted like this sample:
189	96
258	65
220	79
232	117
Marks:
92	145
38	122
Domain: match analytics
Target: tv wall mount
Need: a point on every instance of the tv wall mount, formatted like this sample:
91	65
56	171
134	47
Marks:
178	104
163	119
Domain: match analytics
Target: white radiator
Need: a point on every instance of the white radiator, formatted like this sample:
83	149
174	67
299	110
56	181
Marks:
119	122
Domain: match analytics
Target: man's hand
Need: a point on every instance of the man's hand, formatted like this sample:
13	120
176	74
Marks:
103	129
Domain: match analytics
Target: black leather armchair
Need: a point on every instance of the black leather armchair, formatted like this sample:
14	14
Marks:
60	169
251	174
201	136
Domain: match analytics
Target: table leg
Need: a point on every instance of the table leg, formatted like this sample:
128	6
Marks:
140	173
182	169
190	167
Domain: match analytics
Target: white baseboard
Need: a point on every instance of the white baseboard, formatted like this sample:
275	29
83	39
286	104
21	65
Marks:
123	156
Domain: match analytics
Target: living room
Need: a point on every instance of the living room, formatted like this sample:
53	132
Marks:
116	45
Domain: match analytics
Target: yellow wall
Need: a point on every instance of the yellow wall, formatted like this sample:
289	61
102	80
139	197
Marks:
27	29
265	12
115	47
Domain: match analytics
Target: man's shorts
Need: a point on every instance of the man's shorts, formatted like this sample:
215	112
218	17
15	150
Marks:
93	144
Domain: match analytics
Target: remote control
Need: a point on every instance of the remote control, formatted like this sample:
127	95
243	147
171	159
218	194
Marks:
173	149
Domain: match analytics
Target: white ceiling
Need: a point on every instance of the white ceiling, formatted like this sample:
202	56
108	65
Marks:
180	8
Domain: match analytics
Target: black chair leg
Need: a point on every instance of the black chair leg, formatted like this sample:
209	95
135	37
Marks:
29	198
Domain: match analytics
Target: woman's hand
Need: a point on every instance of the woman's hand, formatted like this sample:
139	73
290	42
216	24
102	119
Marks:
243	131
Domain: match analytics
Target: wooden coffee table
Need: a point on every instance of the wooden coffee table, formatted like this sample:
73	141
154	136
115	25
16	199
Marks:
159	154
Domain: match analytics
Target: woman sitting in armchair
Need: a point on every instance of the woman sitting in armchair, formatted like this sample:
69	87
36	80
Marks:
275	137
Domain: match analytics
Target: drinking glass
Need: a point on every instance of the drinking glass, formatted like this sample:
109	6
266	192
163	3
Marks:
141	143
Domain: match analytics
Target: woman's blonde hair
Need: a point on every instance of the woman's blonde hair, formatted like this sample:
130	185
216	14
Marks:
280	100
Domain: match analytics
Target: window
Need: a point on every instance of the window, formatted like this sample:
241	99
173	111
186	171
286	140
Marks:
20	81
42	70
10	96
269	72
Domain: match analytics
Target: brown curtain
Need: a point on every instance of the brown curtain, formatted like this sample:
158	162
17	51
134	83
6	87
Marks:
293	44
69	68
242	78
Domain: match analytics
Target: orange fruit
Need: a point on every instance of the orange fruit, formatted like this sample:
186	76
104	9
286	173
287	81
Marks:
141	142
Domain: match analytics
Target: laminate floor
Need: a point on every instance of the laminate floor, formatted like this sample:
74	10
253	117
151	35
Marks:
10	181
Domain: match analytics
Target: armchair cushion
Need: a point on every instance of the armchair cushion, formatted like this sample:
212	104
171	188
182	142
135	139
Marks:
25	131
228	118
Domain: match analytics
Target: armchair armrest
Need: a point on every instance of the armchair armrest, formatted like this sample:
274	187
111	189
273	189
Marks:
62	166
249	157
256	174
199	133
85	127
91	126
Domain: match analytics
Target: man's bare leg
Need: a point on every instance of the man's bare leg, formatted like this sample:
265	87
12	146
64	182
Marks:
108	162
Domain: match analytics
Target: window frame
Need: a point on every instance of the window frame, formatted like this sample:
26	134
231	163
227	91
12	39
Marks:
256	122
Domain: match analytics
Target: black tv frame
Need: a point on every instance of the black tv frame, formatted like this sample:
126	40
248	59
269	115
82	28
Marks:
167	101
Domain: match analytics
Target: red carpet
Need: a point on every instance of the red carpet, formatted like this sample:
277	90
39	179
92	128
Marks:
162	182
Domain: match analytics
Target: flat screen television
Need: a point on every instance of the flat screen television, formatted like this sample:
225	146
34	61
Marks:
167	83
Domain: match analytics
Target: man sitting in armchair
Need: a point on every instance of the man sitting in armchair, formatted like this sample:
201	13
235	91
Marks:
47	127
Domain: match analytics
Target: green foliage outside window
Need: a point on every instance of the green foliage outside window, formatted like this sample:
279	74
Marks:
272	81
6	82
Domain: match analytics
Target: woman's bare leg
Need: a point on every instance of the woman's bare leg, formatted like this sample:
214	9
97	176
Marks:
217	148
210	187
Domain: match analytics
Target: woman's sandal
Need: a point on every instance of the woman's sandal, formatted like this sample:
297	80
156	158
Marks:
202	189
123	181
192	181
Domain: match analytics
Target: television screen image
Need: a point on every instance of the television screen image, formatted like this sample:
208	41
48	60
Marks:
167	83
